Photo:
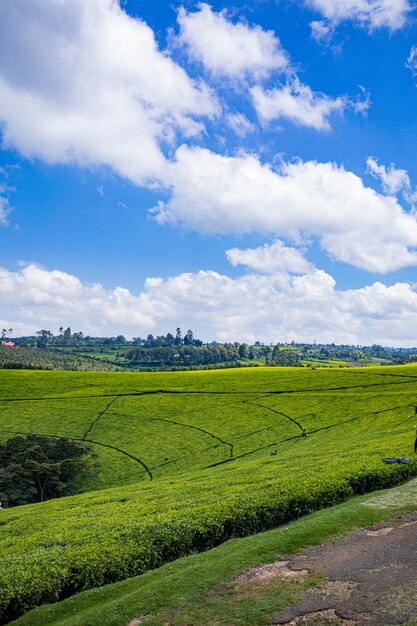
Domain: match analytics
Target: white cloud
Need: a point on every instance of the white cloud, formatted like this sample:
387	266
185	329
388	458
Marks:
240	124
393	179
4	208
321	31
411	62
254	306
243	51
212	193
298	103
363	101
81	81
229	49
42	297
272	258
371	14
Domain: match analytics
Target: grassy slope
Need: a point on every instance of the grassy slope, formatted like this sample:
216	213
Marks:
182	587
175	432
198	435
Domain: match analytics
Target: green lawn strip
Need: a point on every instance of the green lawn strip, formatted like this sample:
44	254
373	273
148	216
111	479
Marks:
244	603
181	587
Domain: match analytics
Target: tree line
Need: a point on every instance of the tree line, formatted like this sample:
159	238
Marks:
176	349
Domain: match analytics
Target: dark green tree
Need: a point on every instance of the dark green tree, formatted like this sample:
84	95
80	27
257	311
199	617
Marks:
289	358
67	335
243	351
170	339
178	337
44	337
35	468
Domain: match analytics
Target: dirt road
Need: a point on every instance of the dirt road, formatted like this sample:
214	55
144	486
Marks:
372	579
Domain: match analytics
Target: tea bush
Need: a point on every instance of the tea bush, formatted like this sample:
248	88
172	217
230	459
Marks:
206	456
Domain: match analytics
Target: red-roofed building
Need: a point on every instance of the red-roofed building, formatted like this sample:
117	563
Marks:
9	344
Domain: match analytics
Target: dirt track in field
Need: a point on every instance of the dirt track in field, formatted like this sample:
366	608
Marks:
372	579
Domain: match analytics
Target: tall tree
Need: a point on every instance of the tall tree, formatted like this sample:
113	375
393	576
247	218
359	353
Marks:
243	351
178	337
170	339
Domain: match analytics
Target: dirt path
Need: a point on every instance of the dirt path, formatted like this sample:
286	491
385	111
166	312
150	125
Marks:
371	576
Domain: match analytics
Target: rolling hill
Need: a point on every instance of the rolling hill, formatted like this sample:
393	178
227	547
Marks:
190	459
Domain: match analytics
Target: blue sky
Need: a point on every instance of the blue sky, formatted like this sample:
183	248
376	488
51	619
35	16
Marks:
244	169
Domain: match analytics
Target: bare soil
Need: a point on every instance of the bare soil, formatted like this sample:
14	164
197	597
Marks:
371	580
371	576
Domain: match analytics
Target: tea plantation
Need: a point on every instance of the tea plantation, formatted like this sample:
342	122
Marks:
190	459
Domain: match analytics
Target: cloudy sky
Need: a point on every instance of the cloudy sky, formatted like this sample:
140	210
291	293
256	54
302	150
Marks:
246	170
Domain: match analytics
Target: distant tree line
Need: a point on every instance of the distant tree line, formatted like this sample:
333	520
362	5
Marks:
175	350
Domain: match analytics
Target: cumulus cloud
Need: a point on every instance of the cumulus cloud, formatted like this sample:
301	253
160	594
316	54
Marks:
38	296
81	81
238	50
254	306
212	193
271	259
229	49
371	14
298	103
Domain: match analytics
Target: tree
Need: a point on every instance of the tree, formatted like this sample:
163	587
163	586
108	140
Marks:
35	468
67	336
44	336
170	339
243	351
178	337
189	338
275	353
289	358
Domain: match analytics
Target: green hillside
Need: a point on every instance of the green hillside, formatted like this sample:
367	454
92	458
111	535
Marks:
188	460
205	589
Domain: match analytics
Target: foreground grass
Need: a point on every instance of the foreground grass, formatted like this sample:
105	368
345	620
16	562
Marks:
187	591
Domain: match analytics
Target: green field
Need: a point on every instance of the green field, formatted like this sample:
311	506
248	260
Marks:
186	463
